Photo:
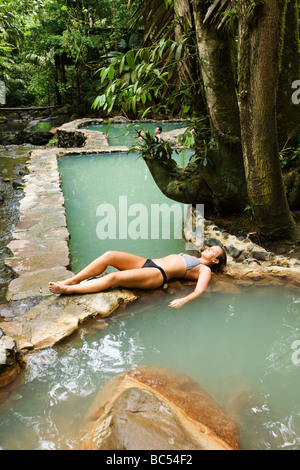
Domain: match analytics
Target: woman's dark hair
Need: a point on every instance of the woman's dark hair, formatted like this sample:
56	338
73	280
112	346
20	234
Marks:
216	268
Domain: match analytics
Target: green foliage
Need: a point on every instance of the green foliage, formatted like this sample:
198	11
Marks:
128	80
187	138
198	134
150	147
5	49
288	156
55	46
139	80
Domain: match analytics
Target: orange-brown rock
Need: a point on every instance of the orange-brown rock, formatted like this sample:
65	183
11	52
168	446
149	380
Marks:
150	408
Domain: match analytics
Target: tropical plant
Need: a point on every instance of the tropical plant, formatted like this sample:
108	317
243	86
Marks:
150	147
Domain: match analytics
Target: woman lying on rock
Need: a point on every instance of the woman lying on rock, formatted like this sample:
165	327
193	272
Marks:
132	274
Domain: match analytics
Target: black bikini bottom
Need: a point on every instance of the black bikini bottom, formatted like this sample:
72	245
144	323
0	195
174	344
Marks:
150	264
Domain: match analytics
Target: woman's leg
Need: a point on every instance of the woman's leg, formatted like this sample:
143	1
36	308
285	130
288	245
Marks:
117	259
149	278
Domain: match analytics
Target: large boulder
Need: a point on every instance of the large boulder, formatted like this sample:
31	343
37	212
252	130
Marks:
149	408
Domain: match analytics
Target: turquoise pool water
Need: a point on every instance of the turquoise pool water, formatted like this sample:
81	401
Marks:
238	348
106	188
243	349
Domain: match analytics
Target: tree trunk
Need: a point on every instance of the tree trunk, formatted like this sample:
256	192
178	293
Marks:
182	185
226	175
288	113
220	185
259	57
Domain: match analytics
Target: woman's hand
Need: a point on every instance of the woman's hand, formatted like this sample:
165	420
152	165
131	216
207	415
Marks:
202	283
177	303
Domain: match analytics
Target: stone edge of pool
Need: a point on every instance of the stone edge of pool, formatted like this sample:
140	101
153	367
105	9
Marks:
40	251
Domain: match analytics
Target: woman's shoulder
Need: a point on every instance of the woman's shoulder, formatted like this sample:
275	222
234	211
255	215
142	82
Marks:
204	269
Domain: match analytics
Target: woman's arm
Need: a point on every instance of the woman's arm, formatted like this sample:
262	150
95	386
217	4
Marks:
202	283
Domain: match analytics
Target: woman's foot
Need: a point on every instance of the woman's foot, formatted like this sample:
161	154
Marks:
58	288
68	282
